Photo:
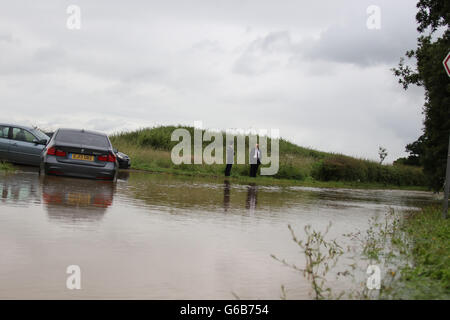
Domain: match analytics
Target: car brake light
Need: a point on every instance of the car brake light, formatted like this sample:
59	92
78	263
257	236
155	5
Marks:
107	158
55	152
60	153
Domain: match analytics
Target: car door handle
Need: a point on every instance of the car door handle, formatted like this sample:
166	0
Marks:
14	144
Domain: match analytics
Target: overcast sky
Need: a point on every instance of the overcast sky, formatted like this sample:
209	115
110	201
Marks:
309	68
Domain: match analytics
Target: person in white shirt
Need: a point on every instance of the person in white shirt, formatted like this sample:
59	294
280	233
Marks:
255	160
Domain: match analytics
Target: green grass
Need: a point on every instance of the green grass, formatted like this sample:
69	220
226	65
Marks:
150	149
4	166
429	276
414	249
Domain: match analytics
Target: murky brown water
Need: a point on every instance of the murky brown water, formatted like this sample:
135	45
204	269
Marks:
154	236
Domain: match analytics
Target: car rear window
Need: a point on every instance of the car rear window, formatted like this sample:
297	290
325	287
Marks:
4	132
84	138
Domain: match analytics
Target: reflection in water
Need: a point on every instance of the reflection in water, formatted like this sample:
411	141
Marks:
72	200
123	175
190	195
226	195
250	203
19	189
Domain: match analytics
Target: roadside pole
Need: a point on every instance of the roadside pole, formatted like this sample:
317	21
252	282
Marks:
446	63
447	183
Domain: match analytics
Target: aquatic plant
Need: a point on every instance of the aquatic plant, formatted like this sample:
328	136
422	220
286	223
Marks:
412	250
321	256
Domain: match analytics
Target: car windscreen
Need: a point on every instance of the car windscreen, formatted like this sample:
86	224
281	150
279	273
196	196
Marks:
84	138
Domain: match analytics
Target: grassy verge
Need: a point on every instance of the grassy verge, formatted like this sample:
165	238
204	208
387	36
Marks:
429	275
150	150
413	247
4	166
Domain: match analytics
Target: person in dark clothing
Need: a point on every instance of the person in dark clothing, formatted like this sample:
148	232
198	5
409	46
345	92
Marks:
230	159
228	169
255	160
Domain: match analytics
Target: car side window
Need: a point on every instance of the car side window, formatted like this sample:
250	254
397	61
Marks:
22	135
4	132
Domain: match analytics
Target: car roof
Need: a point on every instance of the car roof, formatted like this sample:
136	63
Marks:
16	126
82	130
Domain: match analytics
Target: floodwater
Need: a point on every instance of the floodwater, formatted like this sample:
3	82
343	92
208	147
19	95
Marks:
156	236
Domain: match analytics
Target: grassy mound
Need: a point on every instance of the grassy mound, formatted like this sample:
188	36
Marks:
150	149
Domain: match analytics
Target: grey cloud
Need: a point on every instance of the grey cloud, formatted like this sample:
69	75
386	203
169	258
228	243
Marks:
5	37
208	45
359	46
51	53
264	53
272	42
352	42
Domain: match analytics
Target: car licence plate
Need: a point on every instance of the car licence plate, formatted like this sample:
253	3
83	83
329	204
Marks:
83	157
79	198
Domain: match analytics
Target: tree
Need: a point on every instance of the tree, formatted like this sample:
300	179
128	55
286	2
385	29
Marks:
433	44
415	151
382	153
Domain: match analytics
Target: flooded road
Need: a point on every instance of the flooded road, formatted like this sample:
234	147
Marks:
155	236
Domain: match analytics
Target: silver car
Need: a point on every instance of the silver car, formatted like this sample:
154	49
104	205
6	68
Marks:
21	144
80	153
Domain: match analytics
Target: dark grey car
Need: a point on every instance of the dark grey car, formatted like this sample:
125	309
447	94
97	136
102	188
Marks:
79	153
21	144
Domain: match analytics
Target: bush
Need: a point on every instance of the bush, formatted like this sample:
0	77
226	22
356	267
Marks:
342	168
290	172
410	161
